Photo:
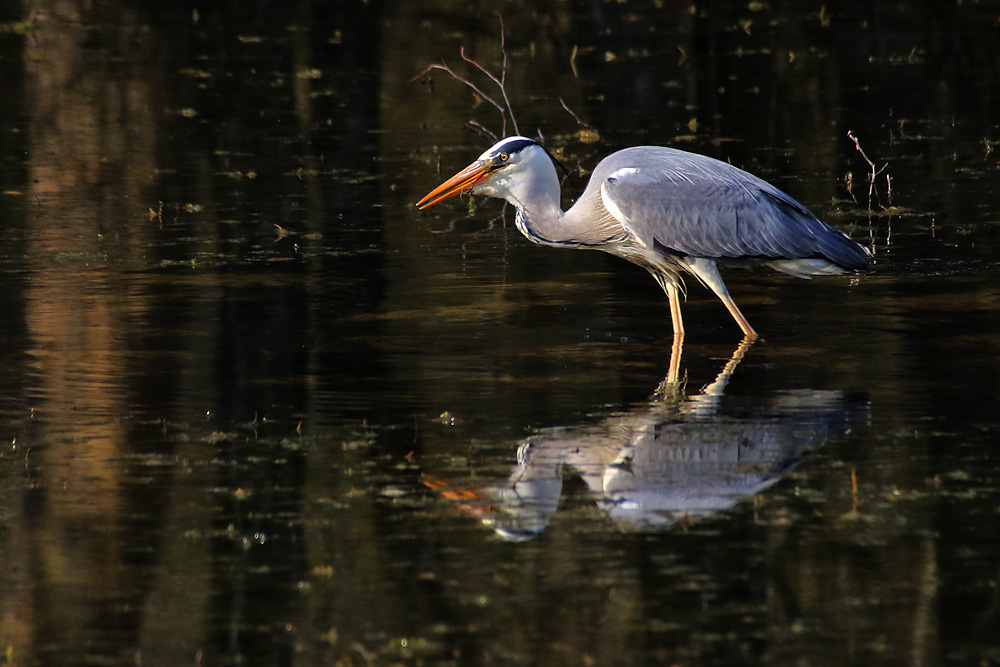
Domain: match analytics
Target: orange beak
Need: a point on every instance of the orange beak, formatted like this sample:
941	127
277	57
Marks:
460	182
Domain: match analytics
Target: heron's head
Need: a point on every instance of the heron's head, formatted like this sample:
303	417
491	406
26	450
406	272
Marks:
494	173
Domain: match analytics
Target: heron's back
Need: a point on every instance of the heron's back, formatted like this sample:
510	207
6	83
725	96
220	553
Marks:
693	205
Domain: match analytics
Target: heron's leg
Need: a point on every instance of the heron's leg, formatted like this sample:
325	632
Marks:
673	295
708	273
674	370
671	284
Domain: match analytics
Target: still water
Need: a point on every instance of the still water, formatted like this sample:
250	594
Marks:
255	408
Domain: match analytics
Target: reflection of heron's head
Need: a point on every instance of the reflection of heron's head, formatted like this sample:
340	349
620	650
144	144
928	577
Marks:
526	506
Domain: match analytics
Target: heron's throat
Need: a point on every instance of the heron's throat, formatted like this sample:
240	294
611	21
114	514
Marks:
542	226
532	186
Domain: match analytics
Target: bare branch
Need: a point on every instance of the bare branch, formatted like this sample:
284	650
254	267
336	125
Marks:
575	117
501	83
444	67
871	176
505	109
481	131
503	74
873	192
849	182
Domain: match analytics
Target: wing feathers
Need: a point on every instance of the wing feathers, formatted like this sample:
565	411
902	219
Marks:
695	205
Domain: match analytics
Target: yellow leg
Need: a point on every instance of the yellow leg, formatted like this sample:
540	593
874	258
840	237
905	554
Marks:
708	273
674	370
673	294
738	316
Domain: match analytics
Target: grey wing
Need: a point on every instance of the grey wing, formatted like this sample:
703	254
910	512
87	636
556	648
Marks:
693	205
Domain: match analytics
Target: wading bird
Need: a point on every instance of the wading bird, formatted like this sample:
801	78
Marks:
666	210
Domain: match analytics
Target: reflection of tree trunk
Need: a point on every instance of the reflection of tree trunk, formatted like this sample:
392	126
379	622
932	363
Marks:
92	104
95	139
91	134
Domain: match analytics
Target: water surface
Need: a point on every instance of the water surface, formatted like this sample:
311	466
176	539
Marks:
256	408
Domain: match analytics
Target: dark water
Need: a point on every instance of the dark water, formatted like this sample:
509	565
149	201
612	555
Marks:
257	409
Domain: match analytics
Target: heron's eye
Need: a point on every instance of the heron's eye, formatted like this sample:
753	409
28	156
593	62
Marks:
504	157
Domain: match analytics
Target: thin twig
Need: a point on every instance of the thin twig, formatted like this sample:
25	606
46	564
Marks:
479	129
502	81
849	182
444	67
499	83
871	178
872	190
503	74
505	109
575	117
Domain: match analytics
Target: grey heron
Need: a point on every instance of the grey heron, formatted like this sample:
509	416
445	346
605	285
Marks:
665	209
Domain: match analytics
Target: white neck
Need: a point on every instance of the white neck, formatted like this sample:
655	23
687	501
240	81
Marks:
532	186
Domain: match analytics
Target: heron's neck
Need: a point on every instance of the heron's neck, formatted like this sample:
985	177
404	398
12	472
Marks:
539	215
539	220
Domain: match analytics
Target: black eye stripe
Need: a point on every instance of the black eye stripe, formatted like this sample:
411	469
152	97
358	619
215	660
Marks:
513	147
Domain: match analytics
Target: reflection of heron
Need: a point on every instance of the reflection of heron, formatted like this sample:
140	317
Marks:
664	209
665	462
650	470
